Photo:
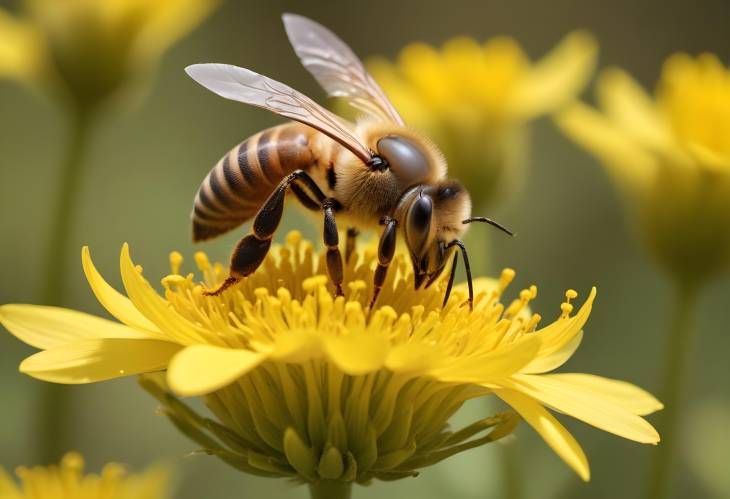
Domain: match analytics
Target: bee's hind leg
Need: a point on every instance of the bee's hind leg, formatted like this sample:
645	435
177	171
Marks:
252	249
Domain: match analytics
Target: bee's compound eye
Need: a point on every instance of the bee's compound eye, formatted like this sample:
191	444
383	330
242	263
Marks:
406	159
418	224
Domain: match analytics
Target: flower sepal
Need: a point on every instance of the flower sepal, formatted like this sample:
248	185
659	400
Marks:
340	453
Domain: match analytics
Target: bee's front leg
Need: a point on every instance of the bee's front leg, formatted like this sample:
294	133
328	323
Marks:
386	250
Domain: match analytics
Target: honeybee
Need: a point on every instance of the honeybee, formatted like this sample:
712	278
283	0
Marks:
377	172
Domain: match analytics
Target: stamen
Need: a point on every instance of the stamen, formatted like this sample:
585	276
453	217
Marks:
505	279
566	307
176	260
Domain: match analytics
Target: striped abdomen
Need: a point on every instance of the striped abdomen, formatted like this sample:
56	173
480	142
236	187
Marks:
237	186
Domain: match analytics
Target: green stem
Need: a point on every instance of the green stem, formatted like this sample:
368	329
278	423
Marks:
54	418
511	485
330	489
681	331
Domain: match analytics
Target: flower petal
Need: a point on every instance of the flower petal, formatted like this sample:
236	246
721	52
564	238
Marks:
112	300
357	353
168	21
88	361
631	165
48	327
630	397
400	93
552	359
482	369
560	339
631	108
21	48
8	488
554	434
201	369
154	307
413	359
583	402
558	78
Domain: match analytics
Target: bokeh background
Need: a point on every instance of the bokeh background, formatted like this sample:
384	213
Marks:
146	165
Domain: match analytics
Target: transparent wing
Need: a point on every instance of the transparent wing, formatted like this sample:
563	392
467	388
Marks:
337	68
243	85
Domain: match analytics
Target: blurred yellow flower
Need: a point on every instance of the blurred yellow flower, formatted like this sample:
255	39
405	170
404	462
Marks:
473	99
88	49
67	481
671	157
315	387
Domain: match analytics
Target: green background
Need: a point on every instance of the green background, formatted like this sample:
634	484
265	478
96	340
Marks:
146	165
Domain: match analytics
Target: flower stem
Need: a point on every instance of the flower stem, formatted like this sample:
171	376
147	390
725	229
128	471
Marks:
53	415
674	375
330	489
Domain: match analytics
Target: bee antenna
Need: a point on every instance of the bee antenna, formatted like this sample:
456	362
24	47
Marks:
490	222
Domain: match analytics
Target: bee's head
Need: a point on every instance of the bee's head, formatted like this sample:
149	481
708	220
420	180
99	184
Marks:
433	217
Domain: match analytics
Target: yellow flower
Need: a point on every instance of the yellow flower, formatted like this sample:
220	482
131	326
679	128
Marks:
473	99
87	49
671	157
67	481
306	385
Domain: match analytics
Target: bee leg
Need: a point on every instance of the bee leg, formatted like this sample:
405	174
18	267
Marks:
332	241
305	198
451	280
250	251
352	234
467	267
386	250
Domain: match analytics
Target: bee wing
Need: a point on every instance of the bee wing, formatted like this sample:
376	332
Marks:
245	86
336	67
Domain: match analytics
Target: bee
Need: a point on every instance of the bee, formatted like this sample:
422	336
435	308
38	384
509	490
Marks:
377	173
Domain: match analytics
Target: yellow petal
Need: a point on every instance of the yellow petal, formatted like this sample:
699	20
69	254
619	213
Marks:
554	434
631	166
20	48
112	300
169	20
401	94
630	397
554	359
201	369
423	68
483	369
558	78
88	361
47	327
560	339
631	108
358	353
8	488
414	359
708	158
155	308
583	402
292	347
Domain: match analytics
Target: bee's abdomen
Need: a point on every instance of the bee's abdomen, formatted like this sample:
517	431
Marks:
239	184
